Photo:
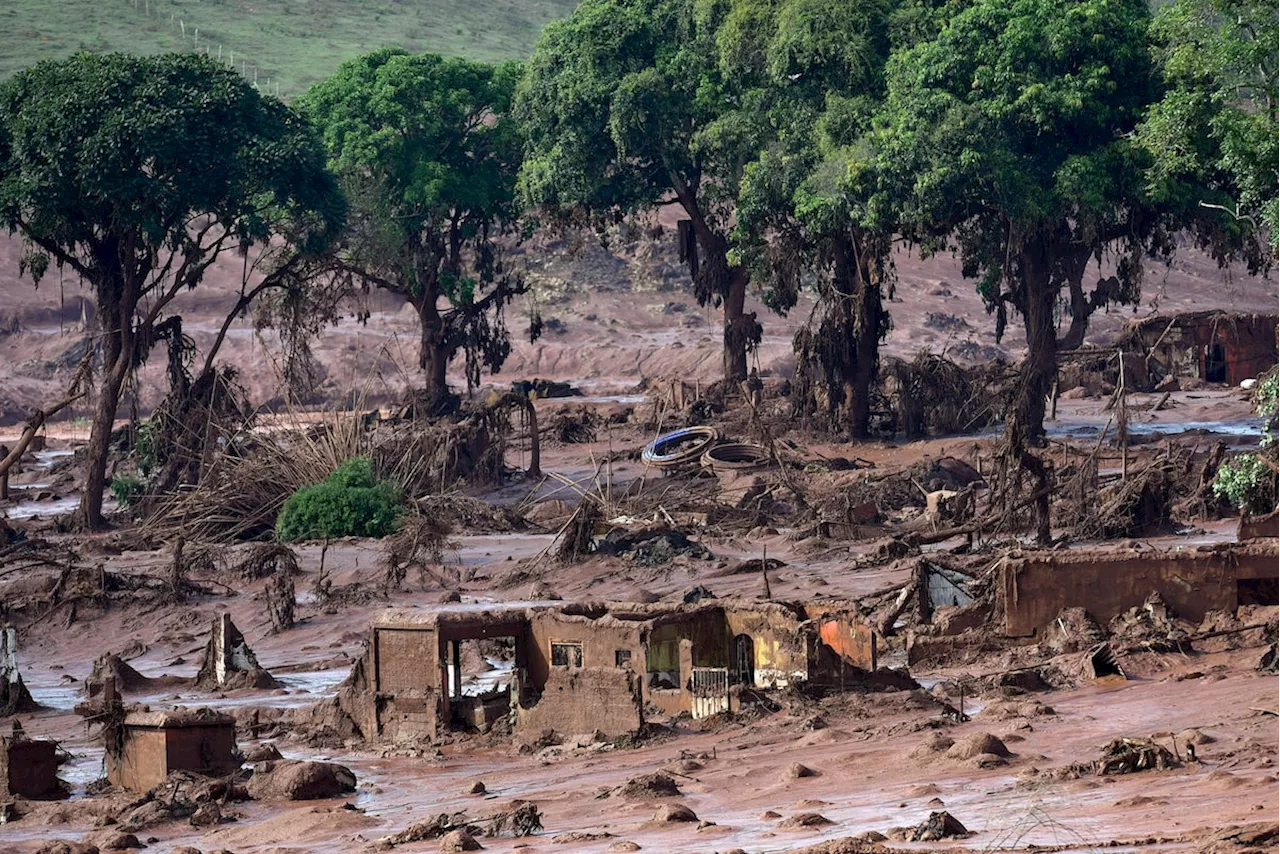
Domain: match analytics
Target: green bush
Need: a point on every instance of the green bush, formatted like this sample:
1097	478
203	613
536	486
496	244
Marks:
349	503
1247	483
126	488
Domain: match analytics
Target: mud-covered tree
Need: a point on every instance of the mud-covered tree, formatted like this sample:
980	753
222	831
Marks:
627	108
427	152
812	202
137	173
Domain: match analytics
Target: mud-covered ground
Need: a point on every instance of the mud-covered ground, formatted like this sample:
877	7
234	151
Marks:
877	757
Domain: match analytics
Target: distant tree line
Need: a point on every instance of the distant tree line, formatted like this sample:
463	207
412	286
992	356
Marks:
802	141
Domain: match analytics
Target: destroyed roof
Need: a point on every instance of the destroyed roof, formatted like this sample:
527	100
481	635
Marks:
1196	318
631	613
178	718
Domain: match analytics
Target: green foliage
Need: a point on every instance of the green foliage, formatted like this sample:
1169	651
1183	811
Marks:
290	43
428	152
349	503
145	452
1214	135
626	106
126	488
105	160
1248	483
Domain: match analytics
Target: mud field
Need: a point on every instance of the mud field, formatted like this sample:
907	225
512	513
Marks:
1139	715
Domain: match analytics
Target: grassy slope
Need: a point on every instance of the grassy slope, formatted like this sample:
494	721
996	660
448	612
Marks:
293	43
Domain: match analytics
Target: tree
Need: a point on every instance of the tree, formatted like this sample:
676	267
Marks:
627	108
428	152
1011	131
137	173
812	202
1213	136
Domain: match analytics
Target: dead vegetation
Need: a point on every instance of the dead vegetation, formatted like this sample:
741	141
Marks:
242	492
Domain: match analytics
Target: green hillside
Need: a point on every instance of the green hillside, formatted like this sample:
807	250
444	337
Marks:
288	44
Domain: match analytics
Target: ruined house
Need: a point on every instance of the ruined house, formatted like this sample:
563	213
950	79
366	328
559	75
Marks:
148	746
28	768
595	667
1215	346
1033	589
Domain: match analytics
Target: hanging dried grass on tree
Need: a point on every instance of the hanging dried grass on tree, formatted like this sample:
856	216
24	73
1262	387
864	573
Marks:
267	560
933	395
421	542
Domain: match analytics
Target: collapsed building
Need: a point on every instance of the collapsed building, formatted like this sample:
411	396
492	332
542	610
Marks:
1215	346
144	747
1034	588
28	768
595	667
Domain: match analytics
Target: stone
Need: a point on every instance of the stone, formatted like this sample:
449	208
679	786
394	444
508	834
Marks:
295	780
458	840
674	813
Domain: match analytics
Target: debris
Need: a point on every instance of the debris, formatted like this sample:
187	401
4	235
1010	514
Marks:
797	771
1101	662
458	840
736	457
281	599
804	819
266	560
653	546
1150	626
977	744
680	448
577	539
1125	756
298	780
938	826
645	786
229	663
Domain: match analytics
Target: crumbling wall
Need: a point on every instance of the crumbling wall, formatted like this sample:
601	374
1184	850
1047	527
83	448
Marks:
850	639
200	742
229	662
590	699
1183	344
605	642
405	697
29	769
1032	590
778	645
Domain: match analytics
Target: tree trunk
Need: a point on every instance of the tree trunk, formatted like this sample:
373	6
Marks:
1039	295
1026	428
866	351
433	357
739	327
104	418
1080	311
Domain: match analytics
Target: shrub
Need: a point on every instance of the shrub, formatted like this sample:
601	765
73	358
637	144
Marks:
126	488
349	503
1247	483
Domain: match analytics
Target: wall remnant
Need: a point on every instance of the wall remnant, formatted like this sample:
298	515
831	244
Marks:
229	663
29	768
1033	589
14	696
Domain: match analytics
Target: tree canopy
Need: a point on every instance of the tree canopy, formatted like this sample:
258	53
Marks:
428	154
137	173
627	108
810	204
